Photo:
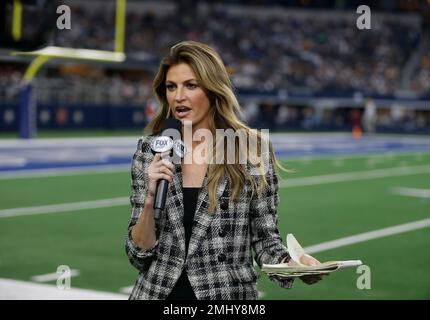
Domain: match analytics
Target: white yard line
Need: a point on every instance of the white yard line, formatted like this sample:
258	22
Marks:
65	207
59	172
366	236
23	290
354	176
53	276
411	192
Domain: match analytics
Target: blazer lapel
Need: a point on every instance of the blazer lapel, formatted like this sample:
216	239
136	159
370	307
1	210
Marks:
202	217
175	206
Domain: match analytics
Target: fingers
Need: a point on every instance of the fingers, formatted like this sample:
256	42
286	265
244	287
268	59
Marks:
158	176
168	164
165	155
158	161
165	166
292	263
309	260
160	169
165	173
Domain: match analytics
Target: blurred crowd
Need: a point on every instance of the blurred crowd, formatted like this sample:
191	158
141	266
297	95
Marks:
303	53
421	79
369	118
298	53
321	55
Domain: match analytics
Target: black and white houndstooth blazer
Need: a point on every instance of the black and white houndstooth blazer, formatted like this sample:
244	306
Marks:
219	262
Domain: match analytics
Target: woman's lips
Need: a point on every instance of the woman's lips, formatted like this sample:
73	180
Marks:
182	112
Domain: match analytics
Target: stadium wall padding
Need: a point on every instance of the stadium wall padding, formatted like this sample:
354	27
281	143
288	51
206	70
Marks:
80	116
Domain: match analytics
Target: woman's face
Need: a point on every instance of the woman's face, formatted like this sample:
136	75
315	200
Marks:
187	99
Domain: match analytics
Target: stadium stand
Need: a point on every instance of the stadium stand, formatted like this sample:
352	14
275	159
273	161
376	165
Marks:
285	59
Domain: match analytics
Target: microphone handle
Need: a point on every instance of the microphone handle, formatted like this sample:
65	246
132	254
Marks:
160	197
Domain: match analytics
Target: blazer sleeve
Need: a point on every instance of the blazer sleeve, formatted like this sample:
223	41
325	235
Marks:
139	258
265	238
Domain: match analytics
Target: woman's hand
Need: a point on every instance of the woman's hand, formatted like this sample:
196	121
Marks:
158	169
308	260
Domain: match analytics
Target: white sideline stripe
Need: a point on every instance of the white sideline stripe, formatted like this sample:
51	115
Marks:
411	192
59	172
354	176
65	207
22	290
126	290
53	276
401	228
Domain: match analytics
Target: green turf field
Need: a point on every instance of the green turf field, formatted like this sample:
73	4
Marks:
92	240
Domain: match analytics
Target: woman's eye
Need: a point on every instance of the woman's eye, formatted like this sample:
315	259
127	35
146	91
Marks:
170	87
191	86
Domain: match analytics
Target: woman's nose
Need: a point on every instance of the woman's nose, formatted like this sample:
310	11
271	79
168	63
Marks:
179	95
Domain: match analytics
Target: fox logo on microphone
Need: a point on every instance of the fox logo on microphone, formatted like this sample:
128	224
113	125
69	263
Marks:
162	144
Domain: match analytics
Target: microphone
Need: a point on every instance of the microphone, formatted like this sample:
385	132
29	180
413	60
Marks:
170	140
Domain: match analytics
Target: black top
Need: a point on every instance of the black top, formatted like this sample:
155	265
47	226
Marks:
182	289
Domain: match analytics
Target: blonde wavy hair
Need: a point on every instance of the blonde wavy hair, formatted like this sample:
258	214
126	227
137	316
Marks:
224	113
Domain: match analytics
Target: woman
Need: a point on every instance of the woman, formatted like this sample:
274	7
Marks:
216	213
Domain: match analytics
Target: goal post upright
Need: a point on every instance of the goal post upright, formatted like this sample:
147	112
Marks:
28	100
